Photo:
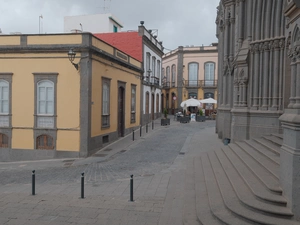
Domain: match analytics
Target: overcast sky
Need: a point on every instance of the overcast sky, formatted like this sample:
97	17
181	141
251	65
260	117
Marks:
179	22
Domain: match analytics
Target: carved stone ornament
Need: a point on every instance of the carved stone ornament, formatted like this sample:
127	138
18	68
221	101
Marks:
276	44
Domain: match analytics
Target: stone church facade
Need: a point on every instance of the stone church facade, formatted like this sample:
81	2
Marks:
259	79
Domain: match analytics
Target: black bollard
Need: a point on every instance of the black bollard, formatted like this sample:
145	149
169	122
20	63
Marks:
133	134
152	124
147	128
141	131
82	185
131	188
33	182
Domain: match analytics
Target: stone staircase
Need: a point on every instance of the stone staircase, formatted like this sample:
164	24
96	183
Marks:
235	185
242	183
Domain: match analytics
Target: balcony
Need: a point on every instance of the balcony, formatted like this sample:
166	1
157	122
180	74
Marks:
200	83
168	84
151	81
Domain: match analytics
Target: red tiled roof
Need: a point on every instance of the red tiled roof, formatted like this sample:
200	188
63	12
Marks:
128	42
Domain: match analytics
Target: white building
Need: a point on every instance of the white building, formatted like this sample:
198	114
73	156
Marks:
96	23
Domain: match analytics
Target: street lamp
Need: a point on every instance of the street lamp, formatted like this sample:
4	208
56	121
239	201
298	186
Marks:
71	55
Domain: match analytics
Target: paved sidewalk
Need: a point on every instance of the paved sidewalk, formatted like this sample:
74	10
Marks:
107	200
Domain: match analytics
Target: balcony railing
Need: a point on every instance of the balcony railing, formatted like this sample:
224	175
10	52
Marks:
168	84
151	81
200	83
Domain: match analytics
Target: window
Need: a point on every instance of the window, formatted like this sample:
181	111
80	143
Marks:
157	103
147	66
153	66
158	69
133	103
45	113
4	103
3	141
45	104
147	103
173	75
193	74
168	76
4	100
44	142
209	73
163	75
115	29
105	102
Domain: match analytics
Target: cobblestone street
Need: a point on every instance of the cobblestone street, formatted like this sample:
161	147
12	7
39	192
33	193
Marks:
151	159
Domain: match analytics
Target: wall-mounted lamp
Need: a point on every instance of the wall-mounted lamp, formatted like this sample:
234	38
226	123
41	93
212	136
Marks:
71	55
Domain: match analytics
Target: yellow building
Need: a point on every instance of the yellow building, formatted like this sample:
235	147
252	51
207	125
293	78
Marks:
50	108
189	72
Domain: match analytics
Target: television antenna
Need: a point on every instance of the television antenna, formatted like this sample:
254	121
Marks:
106	5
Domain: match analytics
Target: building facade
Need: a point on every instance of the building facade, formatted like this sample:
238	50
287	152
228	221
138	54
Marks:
144	46
50	108
189	72
259	79
95	23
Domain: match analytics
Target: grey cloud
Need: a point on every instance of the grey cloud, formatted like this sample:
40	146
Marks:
179	22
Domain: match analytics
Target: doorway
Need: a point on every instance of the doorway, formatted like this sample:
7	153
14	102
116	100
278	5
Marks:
121	115
152	106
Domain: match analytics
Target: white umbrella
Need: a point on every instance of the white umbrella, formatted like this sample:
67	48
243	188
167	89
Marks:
190	102
208	100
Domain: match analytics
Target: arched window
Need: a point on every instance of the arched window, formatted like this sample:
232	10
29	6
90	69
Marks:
168	76
193	74
44	142
209	73
45	97
4	97
3	141
173	75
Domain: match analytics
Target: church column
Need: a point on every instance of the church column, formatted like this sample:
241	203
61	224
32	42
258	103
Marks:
236	94
293	82
276	75
231	56
226	63
255	75
249	19
281	73
241	22
297	98
266	75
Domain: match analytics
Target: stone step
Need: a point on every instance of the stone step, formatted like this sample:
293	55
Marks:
267	178
269	145
204	212
278	135
274	139
190	216
232	202
244	193
264	161
172	213
217	206
263	150
256	186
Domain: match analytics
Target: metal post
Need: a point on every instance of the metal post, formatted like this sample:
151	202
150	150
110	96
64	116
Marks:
82	185
141	131
33	182
131	188
147	128
133	134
